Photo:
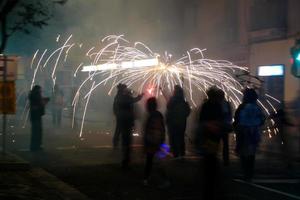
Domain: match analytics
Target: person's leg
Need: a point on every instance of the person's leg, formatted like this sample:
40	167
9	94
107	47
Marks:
171	137
176	141
162	172
36	134
244	163
116	134
225	140
126	142
176	145
251	161
39	135
148	166
182	143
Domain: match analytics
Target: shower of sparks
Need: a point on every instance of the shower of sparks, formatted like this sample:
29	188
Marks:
136	65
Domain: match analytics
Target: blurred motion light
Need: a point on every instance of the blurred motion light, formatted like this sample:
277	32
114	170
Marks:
123	65
298	56
295	55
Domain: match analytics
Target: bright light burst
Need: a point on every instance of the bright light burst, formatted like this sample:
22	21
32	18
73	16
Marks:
138	66
118	61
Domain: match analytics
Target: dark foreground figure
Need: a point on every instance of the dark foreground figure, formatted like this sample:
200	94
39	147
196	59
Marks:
117	113
37	110
211	129
126	121
177	112
154	137
248	120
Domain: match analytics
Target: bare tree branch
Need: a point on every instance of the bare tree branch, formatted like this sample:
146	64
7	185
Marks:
22	15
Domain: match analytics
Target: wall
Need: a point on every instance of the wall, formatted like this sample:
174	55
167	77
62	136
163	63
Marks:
276	52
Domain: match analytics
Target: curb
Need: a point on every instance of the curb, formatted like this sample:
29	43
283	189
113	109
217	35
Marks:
60	188
11	162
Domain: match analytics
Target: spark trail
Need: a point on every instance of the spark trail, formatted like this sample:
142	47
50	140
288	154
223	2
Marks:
116	60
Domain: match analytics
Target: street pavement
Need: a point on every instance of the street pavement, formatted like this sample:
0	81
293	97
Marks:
20	181
70	167
97	173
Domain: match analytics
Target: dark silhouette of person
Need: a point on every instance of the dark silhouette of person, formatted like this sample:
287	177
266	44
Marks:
154	137
57	105
227	114
248	120
126	122
116	110
211	124
37	110
282	122
176	117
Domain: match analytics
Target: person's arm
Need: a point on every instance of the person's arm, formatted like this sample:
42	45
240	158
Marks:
236	116
137	98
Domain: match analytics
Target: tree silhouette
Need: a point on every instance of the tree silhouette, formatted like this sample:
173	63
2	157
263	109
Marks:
23	15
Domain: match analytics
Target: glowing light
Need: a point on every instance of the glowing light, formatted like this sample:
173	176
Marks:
150	91
164	151
135	134
122	65
271	70
298	57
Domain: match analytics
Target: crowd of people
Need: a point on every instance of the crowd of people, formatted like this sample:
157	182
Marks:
214	123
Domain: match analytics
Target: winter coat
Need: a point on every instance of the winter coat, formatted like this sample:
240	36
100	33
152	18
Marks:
154	132
248	120
211	127
177	112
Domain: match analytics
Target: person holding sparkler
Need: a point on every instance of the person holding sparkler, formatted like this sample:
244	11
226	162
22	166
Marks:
116	109
126	121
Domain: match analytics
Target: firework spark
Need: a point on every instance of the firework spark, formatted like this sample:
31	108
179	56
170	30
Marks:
136	65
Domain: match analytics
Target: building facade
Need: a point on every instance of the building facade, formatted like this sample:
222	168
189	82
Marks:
250	33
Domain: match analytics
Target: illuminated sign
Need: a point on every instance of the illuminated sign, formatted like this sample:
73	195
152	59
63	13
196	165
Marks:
271	70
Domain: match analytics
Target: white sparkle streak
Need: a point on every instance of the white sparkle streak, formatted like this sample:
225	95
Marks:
189	77
115	60
33	58
273	98
74	104
264	107
36	69
271	106
75	73
58	57
84	112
